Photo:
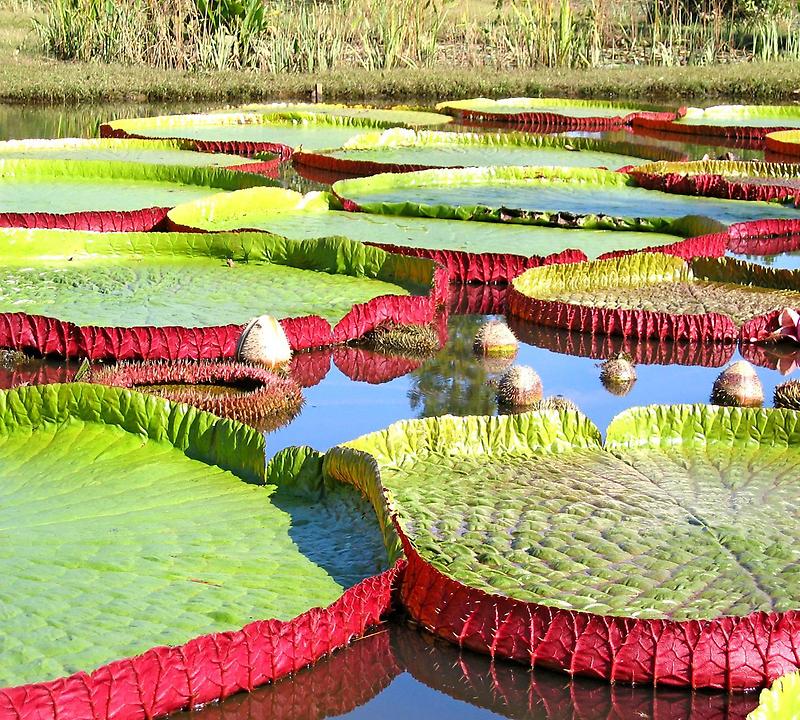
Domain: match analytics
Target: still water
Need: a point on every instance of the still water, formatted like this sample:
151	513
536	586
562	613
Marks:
399	672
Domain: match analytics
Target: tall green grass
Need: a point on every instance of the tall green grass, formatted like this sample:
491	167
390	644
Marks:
309	36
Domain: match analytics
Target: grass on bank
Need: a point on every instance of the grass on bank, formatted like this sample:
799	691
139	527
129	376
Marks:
27	76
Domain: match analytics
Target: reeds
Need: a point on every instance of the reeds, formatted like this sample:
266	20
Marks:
309	36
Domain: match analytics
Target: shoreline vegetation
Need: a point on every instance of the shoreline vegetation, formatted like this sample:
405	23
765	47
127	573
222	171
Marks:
86	51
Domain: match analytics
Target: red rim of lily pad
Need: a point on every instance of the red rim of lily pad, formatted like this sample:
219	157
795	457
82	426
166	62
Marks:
468	267
709	327
551	120
246	148
336	685
783	143
749	135
132	220
503	689
764	237
48	336
708	179
729	652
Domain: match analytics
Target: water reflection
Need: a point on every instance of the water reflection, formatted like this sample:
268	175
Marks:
400	672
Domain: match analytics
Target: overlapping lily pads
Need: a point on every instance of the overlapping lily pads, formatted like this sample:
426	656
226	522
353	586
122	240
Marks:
170	296
113	500
659	556
105	195
744	122
404	150
482	252
549	113
653	296
248	133
583	197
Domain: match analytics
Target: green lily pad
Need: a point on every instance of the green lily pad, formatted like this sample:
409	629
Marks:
400	146
130	522
69	186
165	152
399	115
291	129
779	702
194	280
296	216
508	108
749	172
653	282
593	198
686	512
744	116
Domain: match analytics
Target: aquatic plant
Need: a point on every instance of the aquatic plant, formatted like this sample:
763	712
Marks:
502	515
264	342
242	392
413	340
738	386
520	386
787	395
555	402
618	374
224	561
659	297
495	339
187	296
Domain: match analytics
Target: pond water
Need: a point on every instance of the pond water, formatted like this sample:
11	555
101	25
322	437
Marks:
399	672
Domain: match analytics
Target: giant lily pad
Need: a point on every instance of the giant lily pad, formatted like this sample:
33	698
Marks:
759	181
100	195
528	538
542	196
247	133
151	295
732	121
655	296
547	112
472	251
130	522
147	152
402	150
784	142
398	115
